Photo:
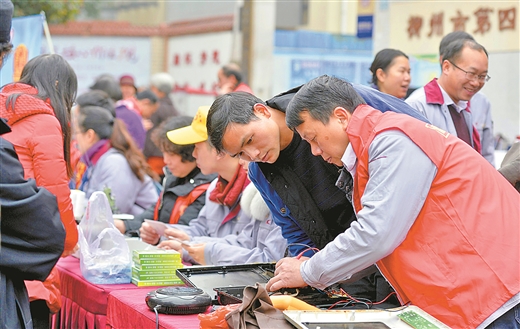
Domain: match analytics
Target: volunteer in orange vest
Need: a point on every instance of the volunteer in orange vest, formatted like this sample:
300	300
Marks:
439	221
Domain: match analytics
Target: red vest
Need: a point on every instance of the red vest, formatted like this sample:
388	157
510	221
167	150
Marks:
181	204
460	261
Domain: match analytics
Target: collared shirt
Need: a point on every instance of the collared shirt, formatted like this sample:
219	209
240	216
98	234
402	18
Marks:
432	101
393	198
438	114
459	106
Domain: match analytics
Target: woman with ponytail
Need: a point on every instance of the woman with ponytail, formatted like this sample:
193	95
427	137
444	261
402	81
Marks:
38	108
113	162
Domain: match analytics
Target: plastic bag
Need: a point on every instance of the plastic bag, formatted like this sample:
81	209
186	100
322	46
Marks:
104	254
216	319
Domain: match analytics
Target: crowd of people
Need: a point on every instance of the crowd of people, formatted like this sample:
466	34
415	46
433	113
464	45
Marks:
387	193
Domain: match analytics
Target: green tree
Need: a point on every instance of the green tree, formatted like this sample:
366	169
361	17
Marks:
56	11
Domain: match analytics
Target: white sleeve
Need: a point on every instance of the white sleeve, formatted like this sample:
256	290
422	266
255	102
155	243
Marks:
400	176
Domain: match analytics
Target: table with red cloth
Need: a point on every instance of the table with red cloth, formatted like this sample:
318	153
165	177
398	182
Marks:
127	309
83	304
86	305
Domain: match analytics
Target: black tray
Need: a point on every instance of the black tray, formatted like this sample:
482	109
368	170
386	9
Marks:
225	284
216	279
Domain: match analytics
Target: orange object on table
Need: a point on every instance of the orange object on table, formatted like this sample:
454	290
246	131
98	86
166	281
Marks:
216	319
283	303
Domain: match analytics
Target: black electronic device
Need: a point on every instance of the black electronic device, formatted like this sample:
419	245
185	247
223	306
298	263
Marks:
225	284
236	277
178	300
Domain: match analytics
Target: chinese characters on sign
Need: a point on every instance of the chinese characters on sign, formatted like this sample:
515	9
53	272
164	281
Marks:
190	59
506	21
177	58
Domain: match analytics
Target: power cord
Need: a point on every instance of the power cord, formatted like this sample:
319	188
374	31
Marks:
288	253
156	316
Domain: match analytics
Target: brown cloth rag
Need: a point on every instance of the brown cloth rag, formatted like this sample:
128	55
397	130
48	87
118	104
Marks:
257	311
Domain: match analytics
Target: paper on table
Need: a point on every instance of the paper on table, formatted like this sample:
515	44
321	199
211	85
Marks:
158	226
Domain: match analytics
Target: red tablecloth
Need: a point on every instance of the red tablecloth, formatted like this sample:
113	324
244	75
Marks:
127	309
84	304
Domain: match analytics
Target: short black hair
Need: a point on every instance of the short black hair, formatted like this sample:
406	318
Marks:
96	118
235	107
232	69
109	85
147	94
97	98
165	145
319	97
454	49
450	37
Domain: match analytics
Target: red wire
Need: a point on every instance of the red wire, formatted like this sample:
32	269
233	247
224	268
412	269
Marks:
304	251
375	303
390	294
343	291
336	303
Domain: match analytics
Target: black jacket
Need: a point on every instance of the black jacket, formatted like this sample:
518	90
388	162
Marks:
172	188
32	237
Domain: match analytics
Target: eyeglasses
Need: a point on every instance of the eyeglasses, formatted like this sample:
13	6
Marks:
472	76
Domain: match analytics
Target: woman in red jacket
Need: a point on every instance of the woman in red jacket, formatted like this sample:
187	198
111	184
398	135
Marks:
38	110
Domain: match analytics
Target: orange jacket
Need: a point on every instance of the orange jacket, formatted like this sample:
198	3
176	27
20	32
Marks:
460	259
38	141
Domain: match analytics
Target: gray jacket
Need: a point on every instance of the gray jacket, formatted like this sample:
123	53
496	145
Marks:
239	240
131	195
261	239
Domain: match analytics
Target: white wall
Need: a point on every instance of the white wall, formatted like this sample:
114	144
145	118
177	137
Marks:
503	91
96	55
260	78
198	74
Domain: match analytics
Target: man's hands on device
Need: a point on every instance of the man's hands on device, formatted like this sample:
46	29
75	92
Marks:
287	274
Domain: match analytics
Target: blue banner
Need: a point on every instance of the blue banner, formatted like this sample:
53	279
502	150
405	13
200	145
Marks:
365	26
26	37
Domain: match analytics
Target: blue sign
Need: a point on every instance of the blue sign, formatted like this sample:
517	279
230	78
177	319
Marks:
26	37
365	26
307	41
354	69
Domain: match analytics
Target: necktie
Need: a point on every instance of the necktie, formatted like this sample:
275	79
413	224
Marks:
345	183
460	124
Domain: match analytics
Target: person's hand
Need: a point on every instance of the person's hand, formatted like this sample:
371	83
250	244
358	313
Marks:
170	245
70	252
196	252
287	274
148	234
147	124
120	225
176	233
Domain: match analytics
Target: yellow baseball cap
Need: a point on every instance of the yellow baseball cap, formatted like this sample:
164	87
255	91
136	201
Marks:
194	133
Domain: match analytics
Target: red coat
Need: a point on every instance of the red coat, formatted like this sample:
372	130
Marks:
38	141
459	261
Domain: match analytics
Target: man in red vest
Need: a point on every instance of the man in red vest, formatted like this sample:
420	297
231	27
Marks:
441	224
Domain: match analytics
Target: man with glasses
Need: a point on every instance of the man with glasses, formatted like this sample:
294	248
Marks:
479	106
444	101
